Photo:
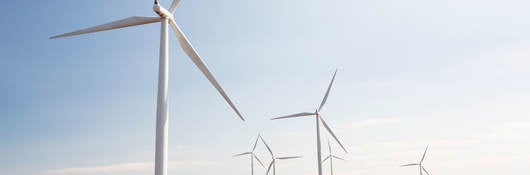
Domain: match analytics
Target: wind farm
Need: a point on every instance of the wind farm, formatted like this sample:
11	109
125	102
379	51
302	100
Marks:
179	87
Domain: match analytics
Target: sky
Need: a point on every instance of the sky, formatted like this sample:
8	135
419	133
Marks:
450	74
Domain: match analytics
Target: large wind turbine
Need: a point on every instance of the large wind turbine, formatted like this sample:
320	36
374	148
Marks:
165	17
275	158
330	157
318	119
252	156
420	165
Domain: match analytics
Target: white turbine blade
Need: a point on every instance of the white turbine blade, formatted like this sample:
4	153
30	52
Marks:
266	145
424	153
255	143
412	164
425	170
269	169
190	51
245	153
326	158
327	92
174	5
295	115
127	22
256	157
338	158
291	157
329	147
332	134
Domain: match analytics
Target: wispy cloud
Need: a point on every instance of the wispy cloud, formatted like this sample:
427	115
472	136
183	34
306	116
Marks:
130	167
115	168
374	122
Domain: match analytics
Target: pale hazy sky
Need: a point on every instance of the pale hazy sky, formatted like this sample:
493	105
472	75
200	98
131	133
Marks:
452	74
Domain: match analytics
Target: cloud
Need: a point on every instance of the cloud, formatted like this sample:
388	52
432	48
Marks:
374	122
115	168
130	167
510	60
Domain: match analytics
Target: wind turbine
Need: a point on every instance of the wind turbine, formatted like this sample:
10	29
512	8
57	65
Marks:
331	156
165	17
318	119
252	156
420	165
275	158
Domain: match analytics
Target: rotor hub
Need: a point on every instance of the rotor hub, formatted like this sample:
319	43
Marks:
162	12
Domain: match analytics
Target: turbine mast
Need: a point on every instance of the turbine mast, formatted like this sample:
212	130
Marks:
319	156
331	163
161	104
252	163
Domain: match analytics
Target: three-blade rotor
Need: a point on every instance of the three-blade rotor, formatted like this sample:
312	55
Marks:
274	158
184	43
331	155
422	168
273	161
317	113
252	151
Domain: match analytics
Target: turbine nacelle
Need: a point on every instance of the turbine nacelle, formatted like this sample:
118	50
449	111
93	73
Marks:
162	12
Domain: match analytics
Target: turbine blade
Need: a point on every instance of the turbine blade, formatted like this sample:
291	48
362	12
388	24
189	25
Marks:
332	134
269	169
329	147
327	92
245	153
174	5
412	164
424	153
326	158
190	51
266	145
291	157
255	143
339	158
425	170
127	22
295	115
261	163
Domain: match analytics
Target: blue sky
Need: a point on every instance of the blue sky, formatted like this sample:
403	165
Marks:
452	74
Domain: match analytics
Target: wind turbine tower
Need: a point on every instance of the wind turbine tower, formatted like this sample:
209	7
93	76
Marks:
165	18
318	119
252	156
331	157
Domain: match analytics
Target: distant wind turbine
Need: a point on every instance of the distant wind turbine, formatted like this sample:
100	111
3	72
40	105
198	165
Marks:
165	17
330	157
252	156
420	165
318	119
275	158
